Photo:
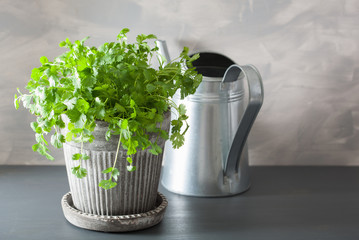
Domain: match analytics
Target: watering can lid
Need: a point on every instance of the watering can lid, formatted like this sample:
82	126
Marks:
212	64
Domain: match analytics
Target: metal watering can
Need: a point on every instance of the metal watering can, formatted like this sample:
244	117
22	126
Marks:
214	159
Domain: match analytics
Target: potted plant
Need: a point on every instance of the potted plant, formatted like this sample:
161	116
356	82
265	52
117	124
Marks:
110	111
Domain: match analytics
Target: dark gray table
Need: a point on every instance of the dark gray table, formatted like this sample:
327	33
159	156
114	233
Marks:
283	203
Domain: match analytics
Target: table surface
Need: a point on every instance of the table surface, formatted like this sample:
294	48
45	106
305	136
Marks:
282	203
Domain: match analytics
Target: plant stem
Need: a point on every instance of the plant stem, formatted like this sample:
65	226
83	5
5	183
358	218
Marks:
82	149
118	148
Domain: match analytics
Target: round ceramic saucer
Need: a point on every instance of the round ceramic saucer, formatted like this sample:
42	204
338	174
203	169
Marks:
120	223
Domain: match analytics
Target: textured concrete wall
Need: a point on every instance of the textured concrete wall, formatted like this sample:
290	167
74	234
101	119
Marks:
307	52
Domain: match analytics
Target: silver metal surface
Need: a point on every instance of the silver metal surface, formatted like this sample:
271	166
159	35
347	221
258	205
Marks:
214	159
163	50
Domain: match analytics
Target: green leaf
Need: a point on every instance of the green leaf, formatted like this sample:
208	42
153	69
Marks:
70	103
132	103
155	150
176	125
74	115
53	80
164	134
71	126
62	44
84	39
124	124
119	108
150	88
44	60
16	102
115	173
42	149
103	87
80	123
60	107
26	100
129	160
131	146
107	184
39	130
177	140
126	134
79	172
152	114
122	34
158	148
76	156
193	58
48	156
69	136
34	126
108	135
60	123
82	105
131	168
76	81
48	124
88	81
182	109
108	170
151	36
85	157
68	42
57	139
99	109
35	147
40	138
82	64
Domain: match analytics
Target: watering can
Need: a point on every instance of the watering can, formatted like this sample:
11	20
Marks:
213	161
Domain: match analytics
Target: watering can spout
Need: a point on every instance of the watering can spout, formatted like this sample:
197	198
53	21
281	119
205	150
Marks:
163	51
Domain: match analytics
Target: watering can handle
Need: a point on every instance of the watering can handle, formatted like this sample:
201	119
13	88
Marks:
255	101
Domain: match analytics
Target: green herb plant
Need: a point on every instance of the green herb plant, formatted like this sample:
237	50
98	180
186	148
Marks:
115	83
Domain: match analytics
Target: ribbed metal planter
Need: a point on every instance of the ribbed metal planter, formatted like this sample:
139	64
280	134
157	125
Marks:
136	192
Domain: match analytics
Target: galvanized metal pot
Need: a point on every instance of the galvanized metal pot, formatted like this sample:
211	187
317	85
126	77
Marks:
136	191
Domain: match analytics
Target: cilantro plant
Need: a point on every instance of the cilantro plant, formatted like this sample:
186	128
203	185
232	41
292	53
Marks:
115	83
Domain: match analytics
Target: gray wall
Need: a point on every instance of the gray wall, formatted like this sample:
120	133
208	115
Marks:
307	52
